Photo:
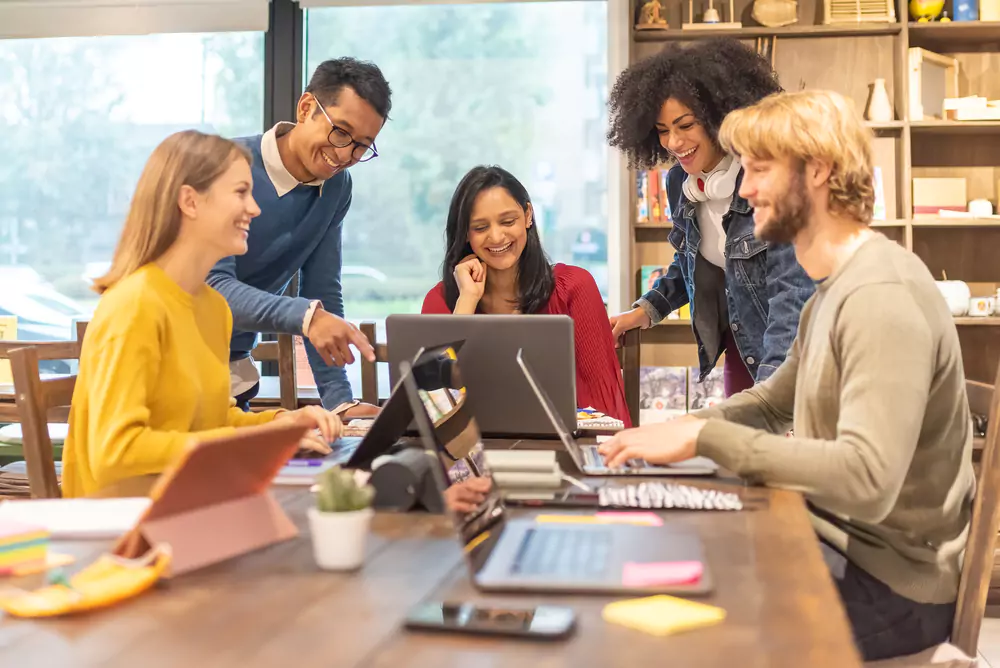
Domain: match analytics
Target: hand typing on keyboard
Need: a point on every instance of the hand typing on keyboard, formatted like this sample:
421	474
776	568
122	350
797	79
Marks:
658	444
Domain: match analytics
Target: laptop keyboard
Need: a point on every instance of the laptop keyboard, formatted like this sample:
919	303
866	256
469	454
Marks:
564	551
592	458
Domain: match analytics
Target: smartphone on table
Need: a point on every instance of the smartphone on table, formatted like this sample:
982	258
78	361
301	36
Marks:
541	622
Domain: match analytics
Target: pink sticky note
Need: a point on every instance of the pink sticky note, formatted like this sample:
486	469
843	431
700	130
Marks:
661	573
646	519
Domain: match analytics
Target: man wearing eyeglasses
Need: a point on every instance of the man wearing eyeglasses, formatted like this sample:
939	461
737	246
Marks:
303	189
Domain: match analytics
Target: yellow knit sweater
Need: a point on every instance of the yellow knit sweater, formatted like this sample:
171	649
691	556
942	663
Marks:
154	378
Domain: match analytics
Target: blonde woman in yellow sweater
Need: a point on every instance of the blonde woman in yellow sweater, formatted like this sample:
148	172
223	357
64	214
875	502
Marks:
154	368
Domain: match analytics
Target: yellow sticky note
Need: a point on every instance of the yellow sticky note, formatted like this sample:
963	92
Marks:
662	615
567	519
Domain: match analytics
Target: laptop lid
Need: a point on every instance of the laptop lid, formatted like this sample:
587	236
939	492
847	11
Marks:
499	396
546	403
451	438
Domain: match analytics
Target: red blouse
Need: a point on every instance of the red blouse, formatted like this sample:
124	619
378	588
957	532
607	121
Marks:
598	374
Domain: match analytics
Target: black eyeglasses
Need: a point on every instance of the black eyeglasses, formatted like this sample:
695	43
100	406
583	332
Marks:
340	138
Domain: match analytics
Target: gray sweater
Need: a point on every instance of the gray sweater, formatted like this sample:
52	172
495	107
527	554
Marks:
875	389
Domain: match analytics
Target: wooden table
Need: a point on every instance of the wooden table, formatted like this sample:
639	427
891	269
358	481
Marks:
275	608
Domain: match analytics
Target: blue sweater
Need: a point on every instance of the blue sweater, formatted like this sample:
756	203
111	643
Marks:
300	231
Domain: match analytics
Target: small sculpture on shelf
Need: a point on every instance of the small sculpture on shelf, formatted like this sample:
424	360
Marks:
651	15
924	11
711	19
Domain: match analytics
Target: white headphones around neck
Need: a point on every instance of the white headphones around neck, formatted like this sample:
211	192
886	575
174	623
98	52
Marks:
720	184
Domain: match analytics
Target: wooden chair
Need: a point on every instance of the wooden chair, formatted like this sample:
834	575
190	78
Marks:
36	399
977	569
53	350
282	351
980	550
369	370
628	358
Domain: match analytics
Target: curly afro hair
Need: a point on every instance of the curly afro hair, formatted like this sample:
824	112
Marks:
711	77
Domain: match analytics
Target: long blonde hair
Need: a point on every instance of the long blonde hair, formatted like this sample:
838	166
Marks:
811	125
188	158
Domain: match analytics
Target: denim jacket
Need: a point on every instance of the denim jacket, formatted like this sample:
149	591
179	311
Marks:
765	285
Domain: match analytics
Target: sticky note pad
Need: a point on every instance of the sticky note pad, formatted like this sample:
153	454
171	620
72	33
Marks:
645	519
661	573
662	615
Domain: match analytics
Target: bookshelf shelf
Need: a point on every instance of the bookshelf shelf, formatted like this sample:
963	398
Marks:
847	58
792	31
886	125
955	127
956	36
989	321
956	223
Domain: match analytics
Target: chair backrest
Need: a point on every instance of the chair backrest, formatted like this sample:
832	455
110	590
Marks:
35	399
282	351
977	568
369	370
628	358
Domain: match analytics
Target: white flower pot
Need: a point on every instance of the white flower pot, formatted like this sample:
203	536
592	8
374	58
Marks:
339	538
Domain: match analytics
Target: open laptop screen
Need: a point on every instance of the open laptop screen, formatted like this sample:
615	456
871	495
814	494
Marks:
449	429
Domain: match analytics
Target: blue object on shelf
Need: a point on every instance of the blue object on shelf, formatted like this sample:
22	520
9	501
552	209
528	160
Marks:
966	10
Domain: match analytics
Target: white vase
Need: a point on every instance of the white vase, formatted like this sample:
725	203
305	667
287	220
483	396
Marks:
957	295
339	538
879	107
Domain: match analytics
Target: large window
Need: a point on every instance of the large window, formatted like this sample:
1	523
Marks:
521	85
78	119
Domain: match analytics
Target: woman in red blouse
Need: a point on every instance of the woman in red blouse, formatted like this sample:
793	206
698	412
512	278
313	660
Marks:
495	264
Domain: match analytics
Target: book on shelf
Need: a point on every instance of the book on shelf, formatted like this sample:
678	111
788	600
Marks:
663	393
669	392
652	207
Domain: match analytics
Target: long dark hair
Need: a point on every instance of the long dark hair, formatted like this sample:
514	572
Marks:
534	269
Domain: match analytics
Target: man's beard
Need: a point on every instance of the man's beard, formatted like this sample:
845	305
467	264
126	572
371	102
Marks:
790	213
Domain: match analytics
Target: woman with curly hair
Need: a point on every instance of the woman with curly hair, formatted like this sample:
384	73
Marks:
745	292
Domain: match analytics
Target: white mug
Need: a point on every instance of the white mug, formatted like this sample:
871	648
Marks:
981	306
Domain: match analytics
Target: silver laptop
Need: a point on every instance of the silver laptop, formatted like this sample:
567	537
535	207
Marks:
586	457
500	398
505	554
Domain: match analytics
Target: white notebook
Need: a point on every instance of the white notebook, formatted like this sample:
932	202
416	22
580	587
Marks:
81	519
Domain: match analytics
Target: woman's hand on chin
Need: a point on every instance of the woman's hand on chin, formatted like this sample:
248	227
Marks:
470	275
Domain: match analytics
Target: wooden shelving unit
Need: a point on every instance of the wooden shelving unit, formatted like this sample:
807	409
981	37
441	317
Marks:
848	58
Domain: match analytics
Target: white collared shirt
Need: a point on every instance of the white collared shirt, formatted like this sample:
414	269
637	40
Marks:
281	178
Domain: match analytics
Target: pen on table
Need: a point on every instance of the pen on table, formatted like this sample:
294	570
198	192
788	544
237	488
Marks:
305	462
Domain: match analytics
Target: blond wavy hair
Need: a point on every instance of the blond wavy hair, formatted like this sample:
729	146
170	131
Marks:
188	158
805	126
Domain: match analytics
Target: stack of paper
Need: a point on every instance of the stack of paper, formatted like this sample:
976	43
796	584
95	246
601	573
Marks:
21	546
77	518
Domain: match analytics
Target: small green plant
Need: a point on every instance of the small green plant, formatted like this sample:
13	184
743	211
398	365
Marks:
339	492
